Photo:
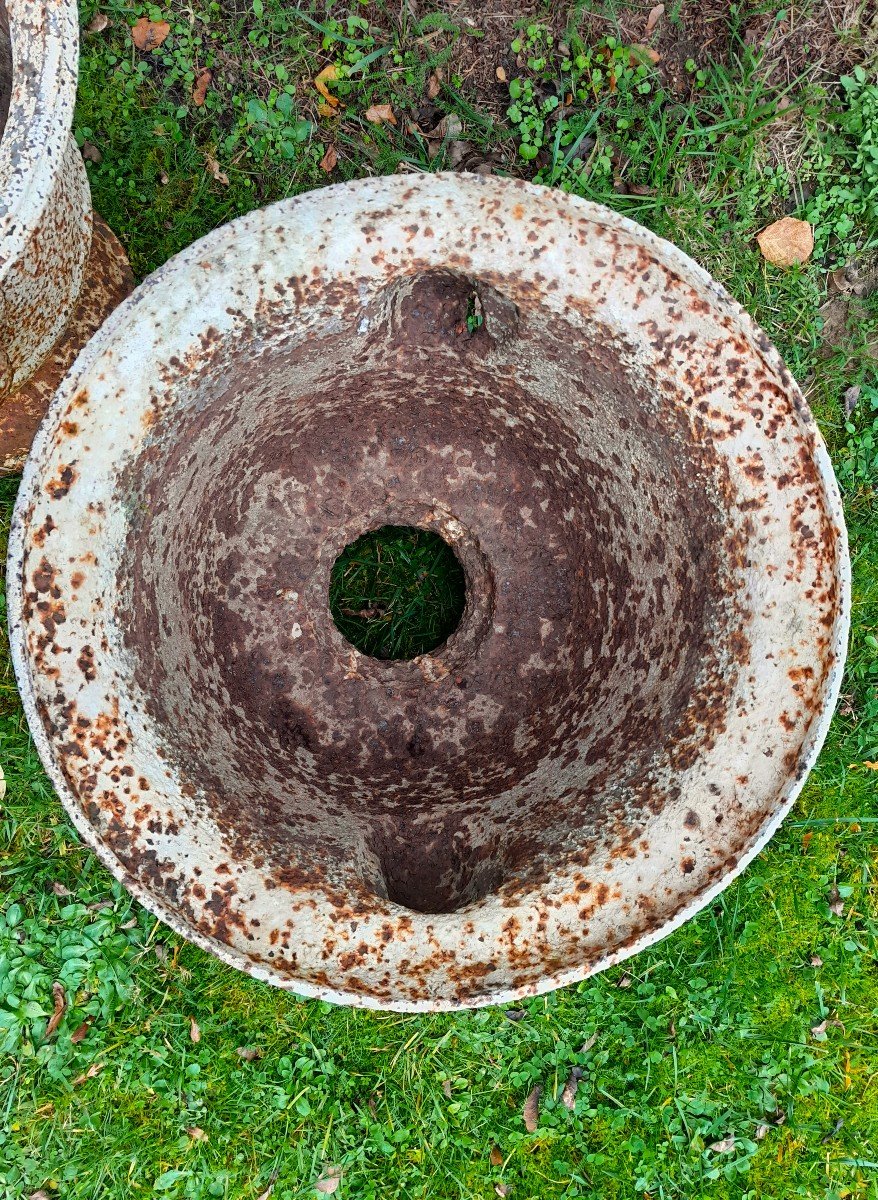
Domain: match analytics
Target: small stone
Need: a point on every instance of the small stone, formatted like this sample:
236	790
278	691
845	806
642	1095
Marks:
786	242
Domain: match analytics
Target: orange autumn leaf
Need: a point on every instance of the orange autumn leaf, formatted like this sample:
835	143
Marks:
202	83
652	19
149	35
327	75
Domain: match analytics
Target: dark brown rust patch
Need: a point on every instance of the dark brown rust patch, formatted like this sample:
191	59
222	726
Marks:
62	483
555	609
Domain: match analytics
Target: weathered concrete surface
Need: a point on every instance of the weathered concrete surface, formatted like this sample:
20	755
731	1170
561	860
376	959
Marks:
656	572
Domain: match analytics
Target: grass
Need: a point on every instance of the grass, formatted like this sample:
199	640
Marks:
397	592
737	1059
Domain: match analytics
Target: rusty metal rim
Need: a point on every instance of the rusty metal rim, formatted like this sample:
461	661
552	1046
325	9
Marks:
212	246
107	280
35	138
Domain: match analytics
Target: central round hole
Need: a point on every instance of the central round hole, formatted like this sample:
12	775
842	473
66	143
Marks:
397	592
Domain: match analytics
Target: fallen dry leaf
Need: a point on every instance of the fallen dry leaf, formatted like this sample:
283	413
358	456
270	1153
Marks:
501	75
446	1088
496	1156
94	1069
149	35
249	1053
652	20
197	1135
836	904
761	1131
60	890
725	1146
848	281
455	152
364	614
786	242
79	1034
531	1111
329	1181
851	400
60	1005
502	1189
643	54
434	85
202	83
329	161
214	168
91	153
833	1131
326	110
568	1096
328	75
838	281
588	1043
194	1031
380	114
625	981
872	766
98	23
816	1030
515	1014
816	960
807	838
129	924
40	1195
450	126
3	786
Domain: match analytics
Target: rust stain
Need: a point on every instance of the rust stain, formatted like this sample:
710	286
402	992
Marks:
638	513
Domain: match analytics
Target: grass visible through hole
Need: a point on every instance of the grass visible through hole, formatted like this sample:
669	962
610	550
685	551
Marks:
397	592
